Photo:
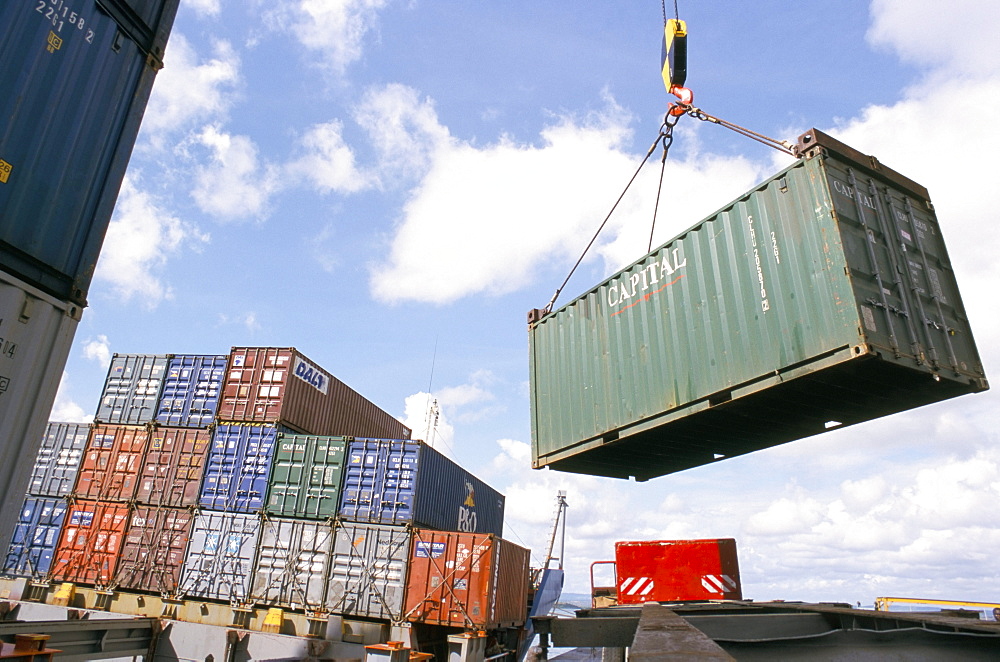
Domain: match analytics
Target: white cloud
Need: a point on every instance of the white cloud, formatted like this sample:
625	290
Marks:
423	414
204	7
462	232
188	90
99	350
141	237
959	41
64	409
334	30
328	162
235	185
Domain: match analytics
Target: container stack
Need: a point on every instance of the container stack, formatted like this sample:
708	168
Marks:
259	479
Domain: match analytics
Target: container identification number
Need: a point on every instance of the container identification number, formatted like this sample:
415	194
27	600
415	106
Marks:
59	15
765	305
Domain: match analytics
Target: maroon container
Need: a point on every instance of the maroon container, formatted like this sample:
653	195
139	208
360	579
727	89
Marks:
153	552
111	462
175	461
280	385
90	544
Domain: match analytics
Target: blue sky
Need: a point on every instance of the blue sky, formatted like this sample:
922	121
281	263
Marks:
390	187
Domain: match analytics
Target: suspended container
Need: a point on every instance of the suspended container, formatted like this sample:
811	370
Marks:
281	385
466	580
132	389
219	560
673	570
91	541
389	481
76	77
238	466
173	467
369	570
35	537
36	331
822	298
292	564
58	460
112	462
306	477
153	552
191	389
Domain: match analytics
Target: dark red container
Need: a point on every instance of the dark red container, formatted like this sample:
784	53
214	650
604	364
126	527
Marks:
672	570
470	580
90	544
153	552
174	464
280	385
111	463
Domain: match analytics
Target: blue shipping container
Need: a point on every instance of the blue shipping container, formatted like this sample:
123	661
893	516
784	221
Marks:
191	389
35	537
58	459
389	481
76	77
239	464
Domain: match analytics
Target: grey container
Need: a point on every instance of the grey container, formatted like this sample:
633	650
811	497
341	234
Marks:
36	332
292	563
369	570
76	77
58	460
132	389
822	298
219	560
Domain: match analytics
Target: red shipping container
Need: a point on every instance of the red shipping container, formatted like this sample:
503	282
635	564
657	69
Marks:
471	580
111	463
153	552
280	385
673	570
172	470
90	544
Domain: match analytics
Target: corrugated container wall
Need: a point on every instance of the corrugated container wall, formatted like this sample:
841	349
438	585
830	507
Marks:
58	460
671	570
173	467
191	389
369	569
91	542
219	560
390	481
153	552
238	466
35	537
36	332
76	77
466	580
292	563
132	390
823	297
306	477
112	462
280	385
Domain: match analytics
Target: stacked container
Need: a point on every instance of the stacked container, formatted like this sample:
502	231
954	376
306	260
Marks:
75	88
43	512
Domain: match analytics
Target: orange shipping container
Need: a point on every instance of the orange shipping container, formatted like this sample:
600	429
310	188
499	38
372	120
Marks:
280	385
111	463
175	461
91	542
471	580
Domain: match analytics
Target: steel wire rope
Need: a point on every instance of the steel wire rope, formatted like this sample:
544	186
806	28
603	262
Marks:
652	148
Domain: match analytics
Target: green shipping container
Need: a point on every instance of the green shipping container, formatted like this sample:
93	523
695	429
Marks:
307	476
822	298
